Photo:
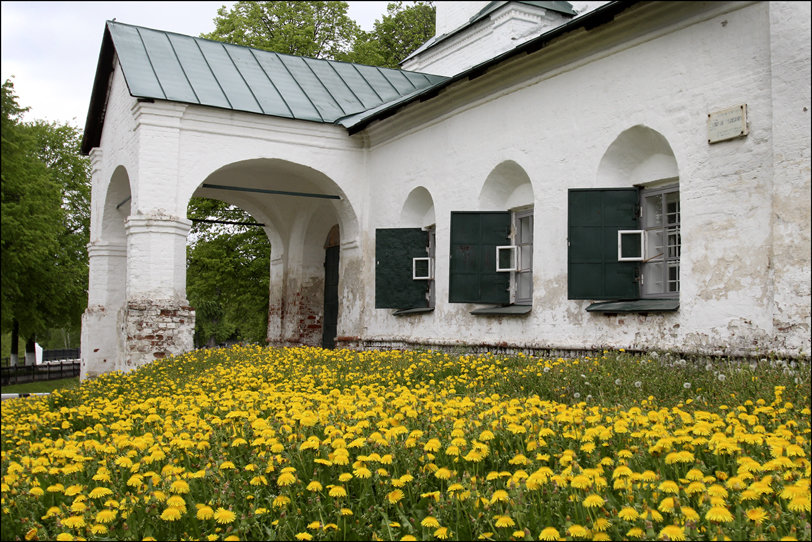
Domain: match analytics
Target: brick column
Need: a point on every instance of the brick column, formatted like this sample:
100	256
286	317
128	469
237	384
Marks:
159	321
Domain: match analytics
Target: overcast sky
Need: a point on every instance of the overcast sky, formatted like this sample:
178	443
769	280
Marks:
51	48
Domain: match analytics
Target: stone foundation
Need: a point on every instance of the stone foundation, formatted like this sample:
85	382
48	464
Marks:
156	330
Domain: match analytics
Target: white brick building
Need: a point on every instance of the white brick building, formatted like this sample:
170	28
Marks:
683	125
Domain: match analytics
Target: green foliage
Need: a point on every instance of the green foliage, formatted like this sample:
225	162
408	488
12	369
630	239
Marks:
313	29
46	386
324	30
228	271
45	220
401	31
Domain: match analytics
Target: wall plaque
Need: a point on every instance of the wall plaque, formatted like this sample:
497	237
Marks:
727	124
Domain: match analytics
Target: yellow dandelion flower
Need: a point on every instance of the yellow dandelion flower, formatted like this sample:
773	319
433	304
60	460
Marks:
672	532
442	473
285	479
800	503
500	495
669	486
408	537
338	491
362	472
719	514
74	490
628	513
635	532
394	496
442	533
430	522
757	515
100	492
227	465
314	525
98	529
105	516
314	486
280	501
74	522
577	531
171	514
550	533
205	512
689	513
601	536
344	477
64	536
179	486
36	491
504	521
346	512
431	495
224	516
593	501
601	524
667	505
304	536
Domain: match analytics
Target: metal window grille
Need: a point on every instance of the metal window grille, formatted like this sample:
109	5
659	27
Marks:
660	217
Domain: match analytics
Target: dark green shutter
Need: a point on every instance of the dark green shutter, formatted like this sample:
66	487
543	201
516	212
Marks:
594	218
394	286
472	268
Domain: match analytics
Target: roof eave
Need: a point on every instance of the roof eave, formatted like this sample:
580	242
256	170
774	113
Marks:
597	17
98	97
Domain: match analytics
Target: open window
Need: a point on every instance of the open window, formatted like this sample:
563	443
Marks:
404	269
624	246
491	260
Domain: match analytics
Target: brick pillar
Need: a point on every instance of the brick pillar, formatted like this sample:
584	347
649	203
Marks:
159	321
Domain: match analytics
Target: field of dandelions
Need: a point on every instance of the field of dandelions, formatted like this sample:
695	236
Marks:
253	443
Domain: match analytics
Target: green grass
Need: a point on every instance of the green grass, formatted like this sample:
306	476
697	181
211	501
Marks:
43	386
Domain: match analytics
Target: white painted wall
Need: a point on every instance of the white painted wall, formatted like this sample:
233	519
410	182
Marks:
558	123
549	117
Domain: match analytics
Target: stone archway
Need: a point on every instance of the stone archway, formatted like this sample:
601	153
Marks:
104	320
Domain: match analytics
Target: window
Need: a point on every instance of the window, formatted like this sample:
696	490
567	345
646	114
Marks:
522	278
404	269
491	258
624	243
660	217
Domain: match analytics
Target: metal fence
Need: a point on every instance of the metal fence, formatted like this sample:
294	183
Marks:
21	374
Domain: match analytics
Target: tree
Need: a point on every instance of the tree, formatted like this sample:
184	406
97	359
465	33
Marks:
45	217
400	32
227	275
313	29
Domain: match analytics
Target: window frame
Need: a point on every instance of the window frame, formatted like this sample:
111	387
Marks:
524	252
668	261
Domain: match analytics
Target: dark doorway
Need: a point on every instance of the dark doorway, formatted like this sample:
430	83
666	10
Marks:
331	258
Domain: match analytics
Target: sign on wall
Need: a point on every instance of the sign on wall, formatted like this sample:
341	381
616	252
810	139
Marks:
727	124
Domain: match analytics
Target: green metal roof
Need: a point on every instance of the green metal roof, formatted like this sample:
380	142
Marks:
168	66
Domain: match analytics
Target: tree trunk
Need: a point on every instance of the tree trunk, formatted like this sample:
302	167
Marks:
15	337
30	351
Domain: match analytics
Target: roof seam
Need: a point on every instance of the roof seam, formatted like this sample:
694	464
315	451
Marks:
180	64
347	85
367	82
151	66
298	85
242	77
281	97
330	94
214	75
385	78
